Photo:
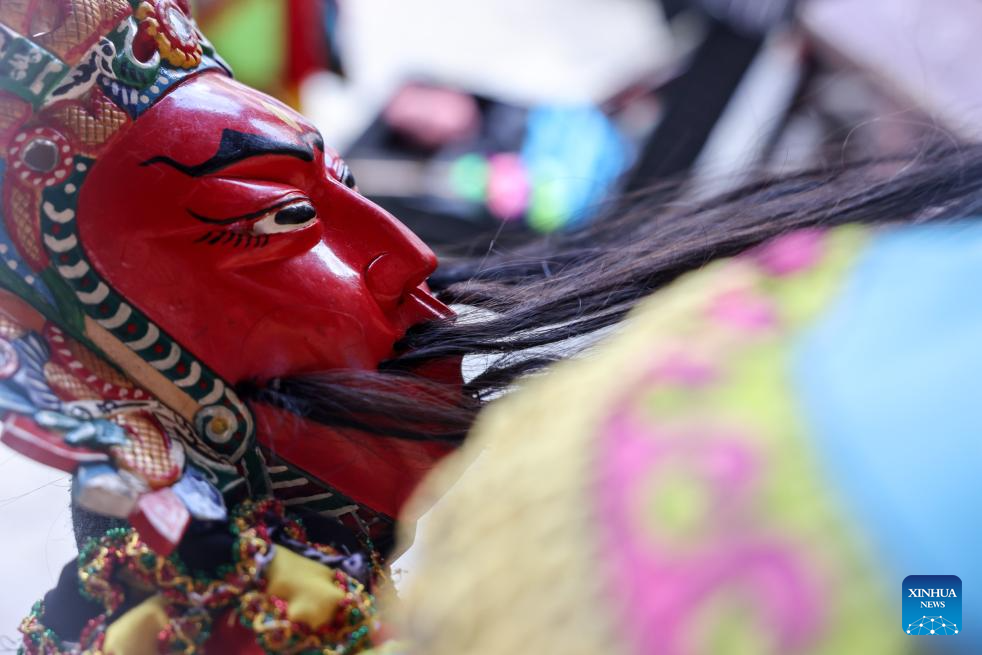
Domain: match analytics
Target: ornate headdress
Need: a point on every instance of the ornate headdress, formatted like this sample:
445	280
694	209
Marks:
89	383
96	364
94	67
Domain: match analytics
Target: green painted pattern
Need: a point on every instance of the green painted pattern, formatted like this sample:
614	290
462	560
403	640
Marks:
108	308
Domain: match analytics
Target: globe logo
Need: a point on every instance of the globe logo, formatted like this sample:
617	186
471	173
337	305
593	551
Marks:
932	625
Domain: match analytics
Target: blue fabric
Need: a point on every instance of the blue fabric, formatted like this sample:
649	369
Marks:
890	381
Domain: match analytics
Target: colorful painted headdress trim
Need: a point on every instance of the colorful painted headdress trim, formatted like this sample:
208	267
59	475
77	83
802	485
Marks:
92	67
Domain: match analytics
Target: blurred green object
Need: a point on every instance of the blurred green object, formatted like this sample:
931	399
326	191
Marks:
274	44
251	35
469	176
549	210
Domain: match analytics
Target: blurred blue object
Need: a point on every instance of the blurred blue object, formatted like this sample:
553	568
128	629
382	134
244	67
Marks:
574	155
889	380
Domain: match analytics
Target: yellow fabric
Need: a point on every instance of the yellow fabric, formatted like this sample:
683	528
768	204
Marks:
504	564
135	633
505	561
511	560
308	587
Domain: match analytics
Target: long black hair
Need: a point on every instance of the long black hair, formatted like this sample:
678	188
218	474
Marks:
540	302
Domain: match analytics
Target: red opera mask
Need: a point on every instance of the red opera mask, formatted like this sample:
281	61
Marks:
175	234
243	237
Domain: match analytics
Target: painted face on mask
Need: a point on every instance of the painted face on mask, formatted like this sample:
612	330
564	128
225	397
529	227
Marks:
197	236
223	217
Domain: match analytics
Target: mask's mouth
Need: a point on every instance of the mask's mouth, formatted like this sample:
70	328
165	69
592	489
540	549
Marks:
427	302
416	311
405	398
407	360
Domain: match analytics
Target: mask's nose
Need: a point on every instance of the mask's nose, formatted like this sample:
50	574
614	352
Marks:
392	260
390	277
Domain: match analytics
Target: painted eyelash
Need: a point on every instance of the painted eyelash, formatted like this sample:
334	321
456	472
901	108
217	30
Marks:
241	239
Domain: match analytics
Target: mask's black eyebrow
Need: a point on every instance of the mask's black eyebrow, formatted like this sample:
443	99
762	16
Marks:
244	217
237	146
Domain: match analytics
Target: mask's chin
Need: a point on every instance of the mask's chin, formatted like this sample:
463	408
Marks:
372	435
376	473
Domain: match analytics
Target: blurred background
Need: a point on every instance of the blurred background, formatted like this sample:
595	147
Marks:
496	120
500	119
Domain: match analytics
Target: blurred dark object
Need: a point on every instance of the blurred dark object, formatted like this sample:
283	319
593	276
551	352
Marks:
734	37
748	16
457	166
274	44
694	103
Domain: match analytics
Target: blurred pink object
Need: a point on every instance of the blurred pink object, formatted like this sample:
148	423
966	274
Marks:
432	117
743	309
790	253
508	187
682	369
669	575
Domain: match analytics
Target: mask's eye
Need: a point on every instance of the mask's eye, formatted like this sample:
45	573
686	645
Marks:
290	218
343	174
347	177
